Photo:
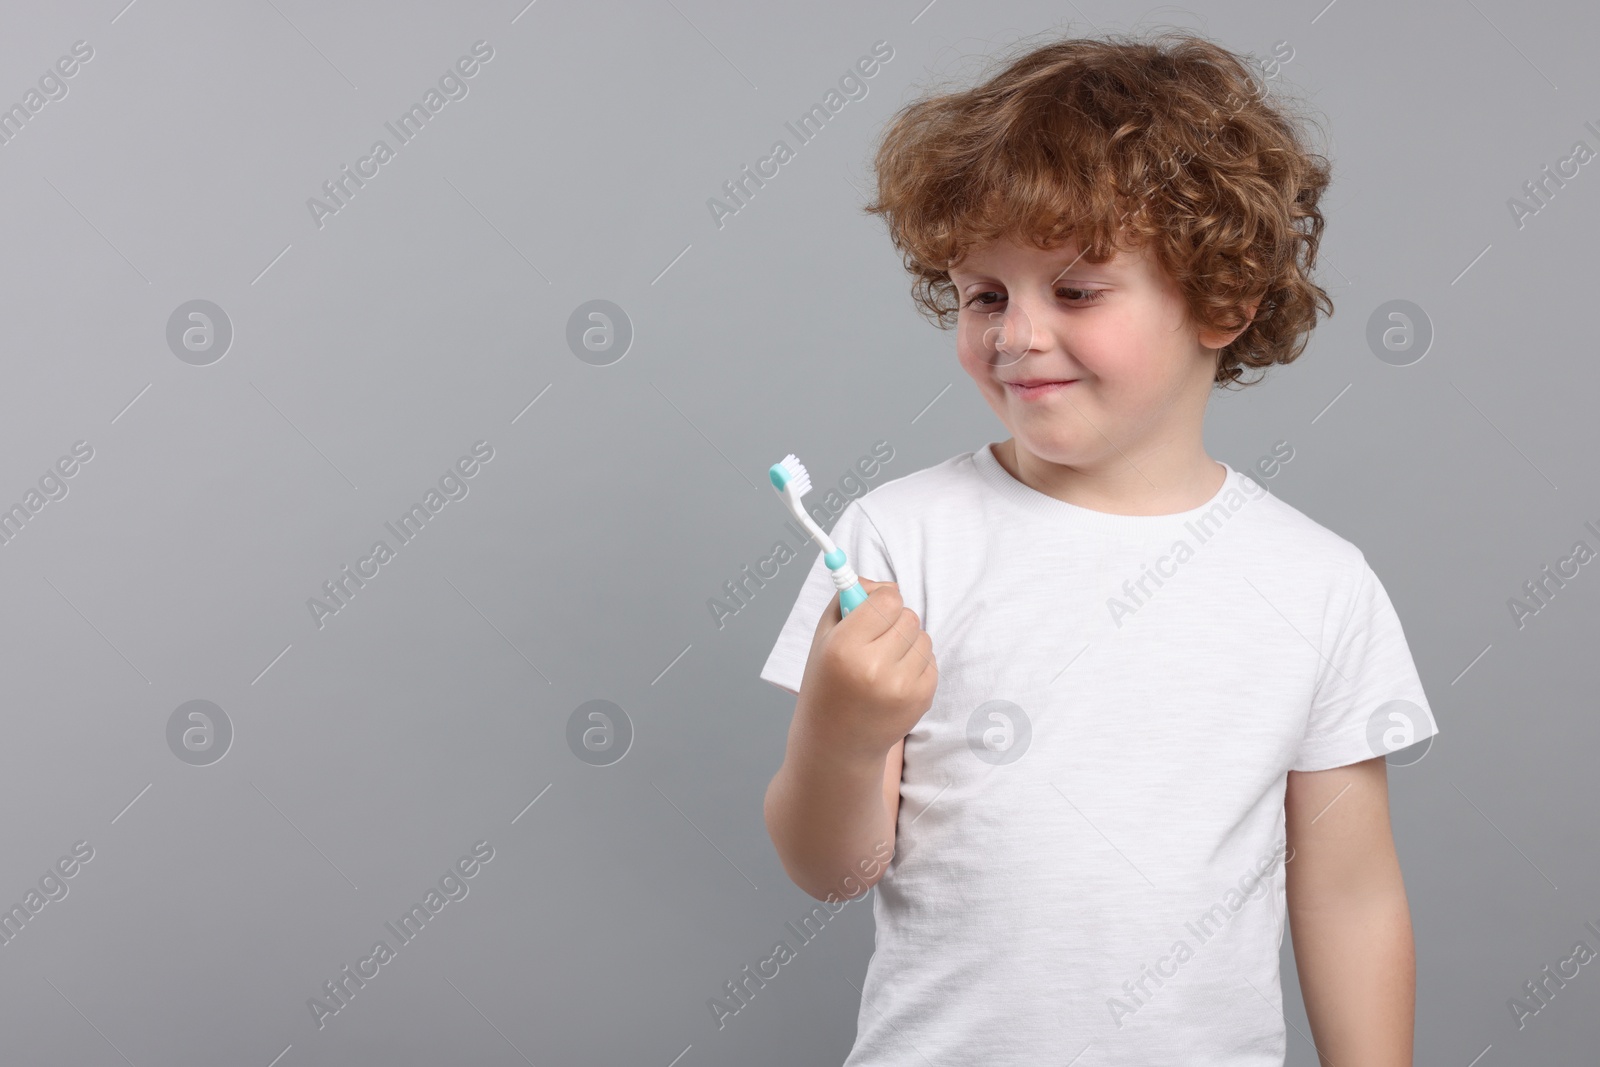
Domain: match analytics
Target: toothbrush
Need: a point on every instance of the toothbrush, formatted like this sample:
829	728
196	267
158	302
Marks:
790	479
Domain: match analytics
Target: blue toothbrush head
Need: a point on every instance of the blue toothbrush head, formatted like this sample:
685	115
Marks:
787	471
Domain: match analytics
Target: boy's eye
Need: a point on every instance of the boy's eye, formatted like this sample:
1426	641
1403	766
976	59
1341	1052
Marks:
1081	296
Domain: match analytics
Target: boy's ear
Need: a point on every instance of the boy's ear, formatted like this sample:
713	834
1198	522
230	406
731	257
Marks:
1223	338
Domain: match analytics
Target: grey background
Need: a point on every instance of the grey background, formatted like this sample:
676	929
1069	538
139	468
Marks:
369	354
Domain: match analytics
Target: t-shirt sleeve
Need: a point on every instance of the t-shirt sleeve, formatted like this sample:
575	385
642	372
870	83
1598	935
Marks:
1368	700
854	532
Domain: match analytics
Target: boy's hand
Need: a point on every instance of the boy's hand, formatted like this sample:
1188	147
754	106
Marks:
871	676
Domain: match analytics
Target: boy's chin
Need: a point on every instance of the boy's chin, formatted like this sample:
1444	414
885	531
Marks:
1063	449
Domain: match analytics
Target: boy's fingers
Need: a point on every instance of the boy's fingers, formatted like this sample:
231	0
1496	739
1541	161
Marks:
881	609
882	618
900	625
910	640
894	614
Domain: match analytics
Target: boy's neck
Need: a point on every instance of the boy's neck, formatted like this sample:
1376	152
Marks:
1148	485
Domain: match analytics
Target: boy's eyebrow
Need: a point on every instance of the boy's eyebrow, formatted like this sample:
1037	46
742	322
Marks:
1114	265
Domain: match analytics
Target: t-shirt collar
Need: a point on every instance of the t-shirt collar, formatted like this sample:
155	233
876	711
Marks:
1046	506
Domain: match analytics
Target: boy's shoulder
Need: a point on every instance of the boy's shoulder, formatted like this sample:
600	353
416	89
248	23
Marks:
1289	540
1278	529
953	482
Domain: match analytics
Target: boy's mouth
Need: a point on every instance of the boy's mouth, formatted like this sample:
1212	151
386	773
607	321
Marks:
1029	388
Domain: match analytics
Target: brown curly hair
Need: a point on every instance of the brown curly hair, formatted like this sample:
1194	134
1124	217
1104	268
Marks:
1119	143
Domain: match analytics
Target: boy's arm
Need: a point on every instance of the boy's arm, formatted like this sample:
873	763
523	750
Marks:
1347	911
832	819
832	807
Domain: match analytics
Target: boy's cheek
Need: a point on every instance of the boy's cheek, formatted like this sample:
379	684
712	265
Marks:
974	360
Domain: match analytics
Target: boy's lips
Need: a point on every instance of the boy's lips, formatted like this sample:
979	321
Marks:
1028	388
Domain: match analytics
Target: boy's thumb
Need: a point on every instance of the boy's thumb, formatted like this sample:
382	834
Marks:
866	583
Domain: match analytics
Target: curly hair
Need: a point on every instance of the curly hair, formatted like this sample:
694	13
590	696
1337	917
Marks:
1119	143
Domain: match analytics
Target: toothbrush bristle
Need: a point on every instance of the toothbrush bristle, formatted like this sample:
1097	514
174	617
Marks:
797	473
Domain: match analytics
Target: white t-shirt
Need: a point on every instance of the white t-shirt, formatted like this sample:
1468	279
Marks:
1089	854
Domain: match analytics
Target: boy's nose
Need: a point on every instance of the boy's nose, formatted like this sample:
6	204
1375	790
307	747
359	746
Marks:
1015	334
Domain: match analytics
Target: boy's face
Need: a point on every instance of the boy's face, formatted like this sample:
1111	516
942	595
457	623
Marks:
1140	371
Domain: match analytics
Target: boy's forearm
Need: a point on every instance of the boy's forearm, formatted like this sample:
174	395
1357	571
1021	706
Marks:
826	815
1357	964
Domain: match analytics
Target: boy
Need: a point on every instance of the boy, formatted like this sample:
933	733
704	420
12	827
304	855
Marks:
1117	709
